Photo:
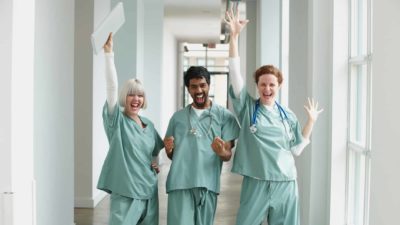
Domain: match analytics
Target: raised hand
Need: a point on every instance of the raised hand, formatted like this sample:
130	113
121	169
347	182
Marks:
235	24
312	109
108	46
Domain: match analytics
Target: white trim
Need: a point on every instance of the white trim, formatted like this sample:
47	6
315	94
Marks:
7	208
85	202
100	196
359	60
357	148
369	115
34	203
352	146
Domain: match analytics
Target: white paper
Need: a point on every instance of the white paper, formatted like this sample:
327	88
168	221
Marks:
111	23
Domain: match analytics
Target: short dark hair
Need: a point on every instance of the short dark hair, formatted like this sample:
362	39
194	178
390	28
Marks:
196	72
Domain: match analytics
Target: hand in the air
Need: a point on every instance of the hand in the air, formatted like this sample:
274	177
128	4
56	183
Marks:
108	46
312	109
235	24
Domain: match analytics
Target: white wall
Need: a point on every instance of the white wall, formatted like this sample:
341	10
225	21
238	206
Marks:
5	95
338	96
318	62
320	87
153	56
97	98
54	111
269	32
37	92
16	132
169	81
129	42
23	184
248	46
83	108
90	141
385	182
298	86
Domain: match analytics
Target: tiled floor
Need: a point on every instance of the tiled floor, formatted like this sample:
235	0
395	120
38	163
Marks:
228	201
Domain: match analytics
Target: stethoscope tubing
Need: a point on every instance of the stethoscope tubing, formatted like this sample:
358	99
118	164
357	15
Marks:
282	114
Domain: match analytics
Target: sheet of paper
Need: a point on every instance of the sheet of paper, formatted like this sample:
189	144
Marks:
111	23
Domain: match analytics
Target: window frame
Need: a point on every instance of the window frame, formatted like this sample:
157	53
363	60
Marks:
356	150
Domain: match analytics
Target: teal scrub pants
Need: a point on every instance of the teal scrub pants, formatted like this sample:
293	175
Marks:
191	207
130	211
276	201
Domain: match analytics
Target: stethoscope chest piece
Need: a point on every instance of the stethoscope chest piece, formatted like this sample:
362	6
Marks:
253	128
193	131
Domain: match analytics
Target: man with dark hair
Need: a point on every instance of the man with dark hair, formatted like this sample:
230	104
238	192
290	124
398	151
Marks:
196	72
198	139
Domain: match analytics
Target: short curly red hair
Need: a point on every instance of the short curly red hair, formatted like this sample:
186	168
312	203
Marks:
268	69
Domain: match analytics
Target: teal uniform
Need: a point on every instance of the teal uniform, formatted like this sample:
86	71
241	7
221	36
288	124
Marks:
127	173
196	168
265	160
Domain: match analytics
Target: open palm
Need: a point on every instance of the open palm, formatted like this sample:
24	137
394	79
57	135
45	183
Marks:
312	109
235	24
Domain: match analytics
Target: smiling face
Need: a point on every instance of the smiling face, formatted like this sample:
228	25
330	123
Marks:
268	79
268	87
198	89
132	97
133	104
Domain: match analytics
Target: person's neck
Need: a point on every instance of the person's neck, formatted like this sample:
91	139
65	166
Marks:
135	117
206	106
269	104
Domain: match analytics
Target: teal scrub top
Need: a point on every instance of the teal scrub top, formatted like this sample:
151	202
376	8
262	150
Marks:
265	154
194	163
127	168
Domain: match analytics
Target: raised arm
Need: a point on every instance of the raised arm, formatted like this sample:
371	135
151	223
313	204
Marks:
111	75
312	112
235	27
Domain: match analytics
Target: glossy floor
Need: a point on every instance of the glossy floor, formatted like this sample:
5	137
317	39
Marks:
228	201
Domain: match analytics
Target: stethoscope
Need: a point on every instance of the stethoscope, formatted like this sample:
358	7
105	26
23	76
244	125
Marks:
193	130
282	114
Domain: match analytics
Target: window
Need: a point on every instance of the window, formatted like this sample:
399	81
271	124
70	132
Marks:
359	129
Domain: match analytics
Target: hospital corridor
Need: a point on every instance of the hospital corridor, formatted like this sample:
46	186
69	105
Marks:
57	85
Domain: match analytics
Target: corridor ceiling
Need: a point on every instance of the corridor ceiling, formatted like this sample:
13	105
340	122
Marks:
195	21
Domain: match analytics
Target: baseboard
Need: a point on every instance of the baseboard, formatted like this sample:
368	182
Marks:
89	202
100	196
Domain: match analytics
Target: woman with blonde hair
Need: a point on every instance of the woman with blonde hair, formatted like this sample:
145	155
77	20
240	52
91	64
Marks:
128	173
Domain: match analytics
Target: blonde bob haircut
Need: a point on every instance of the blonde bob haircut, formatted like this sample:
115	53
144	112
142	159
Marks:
132	87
